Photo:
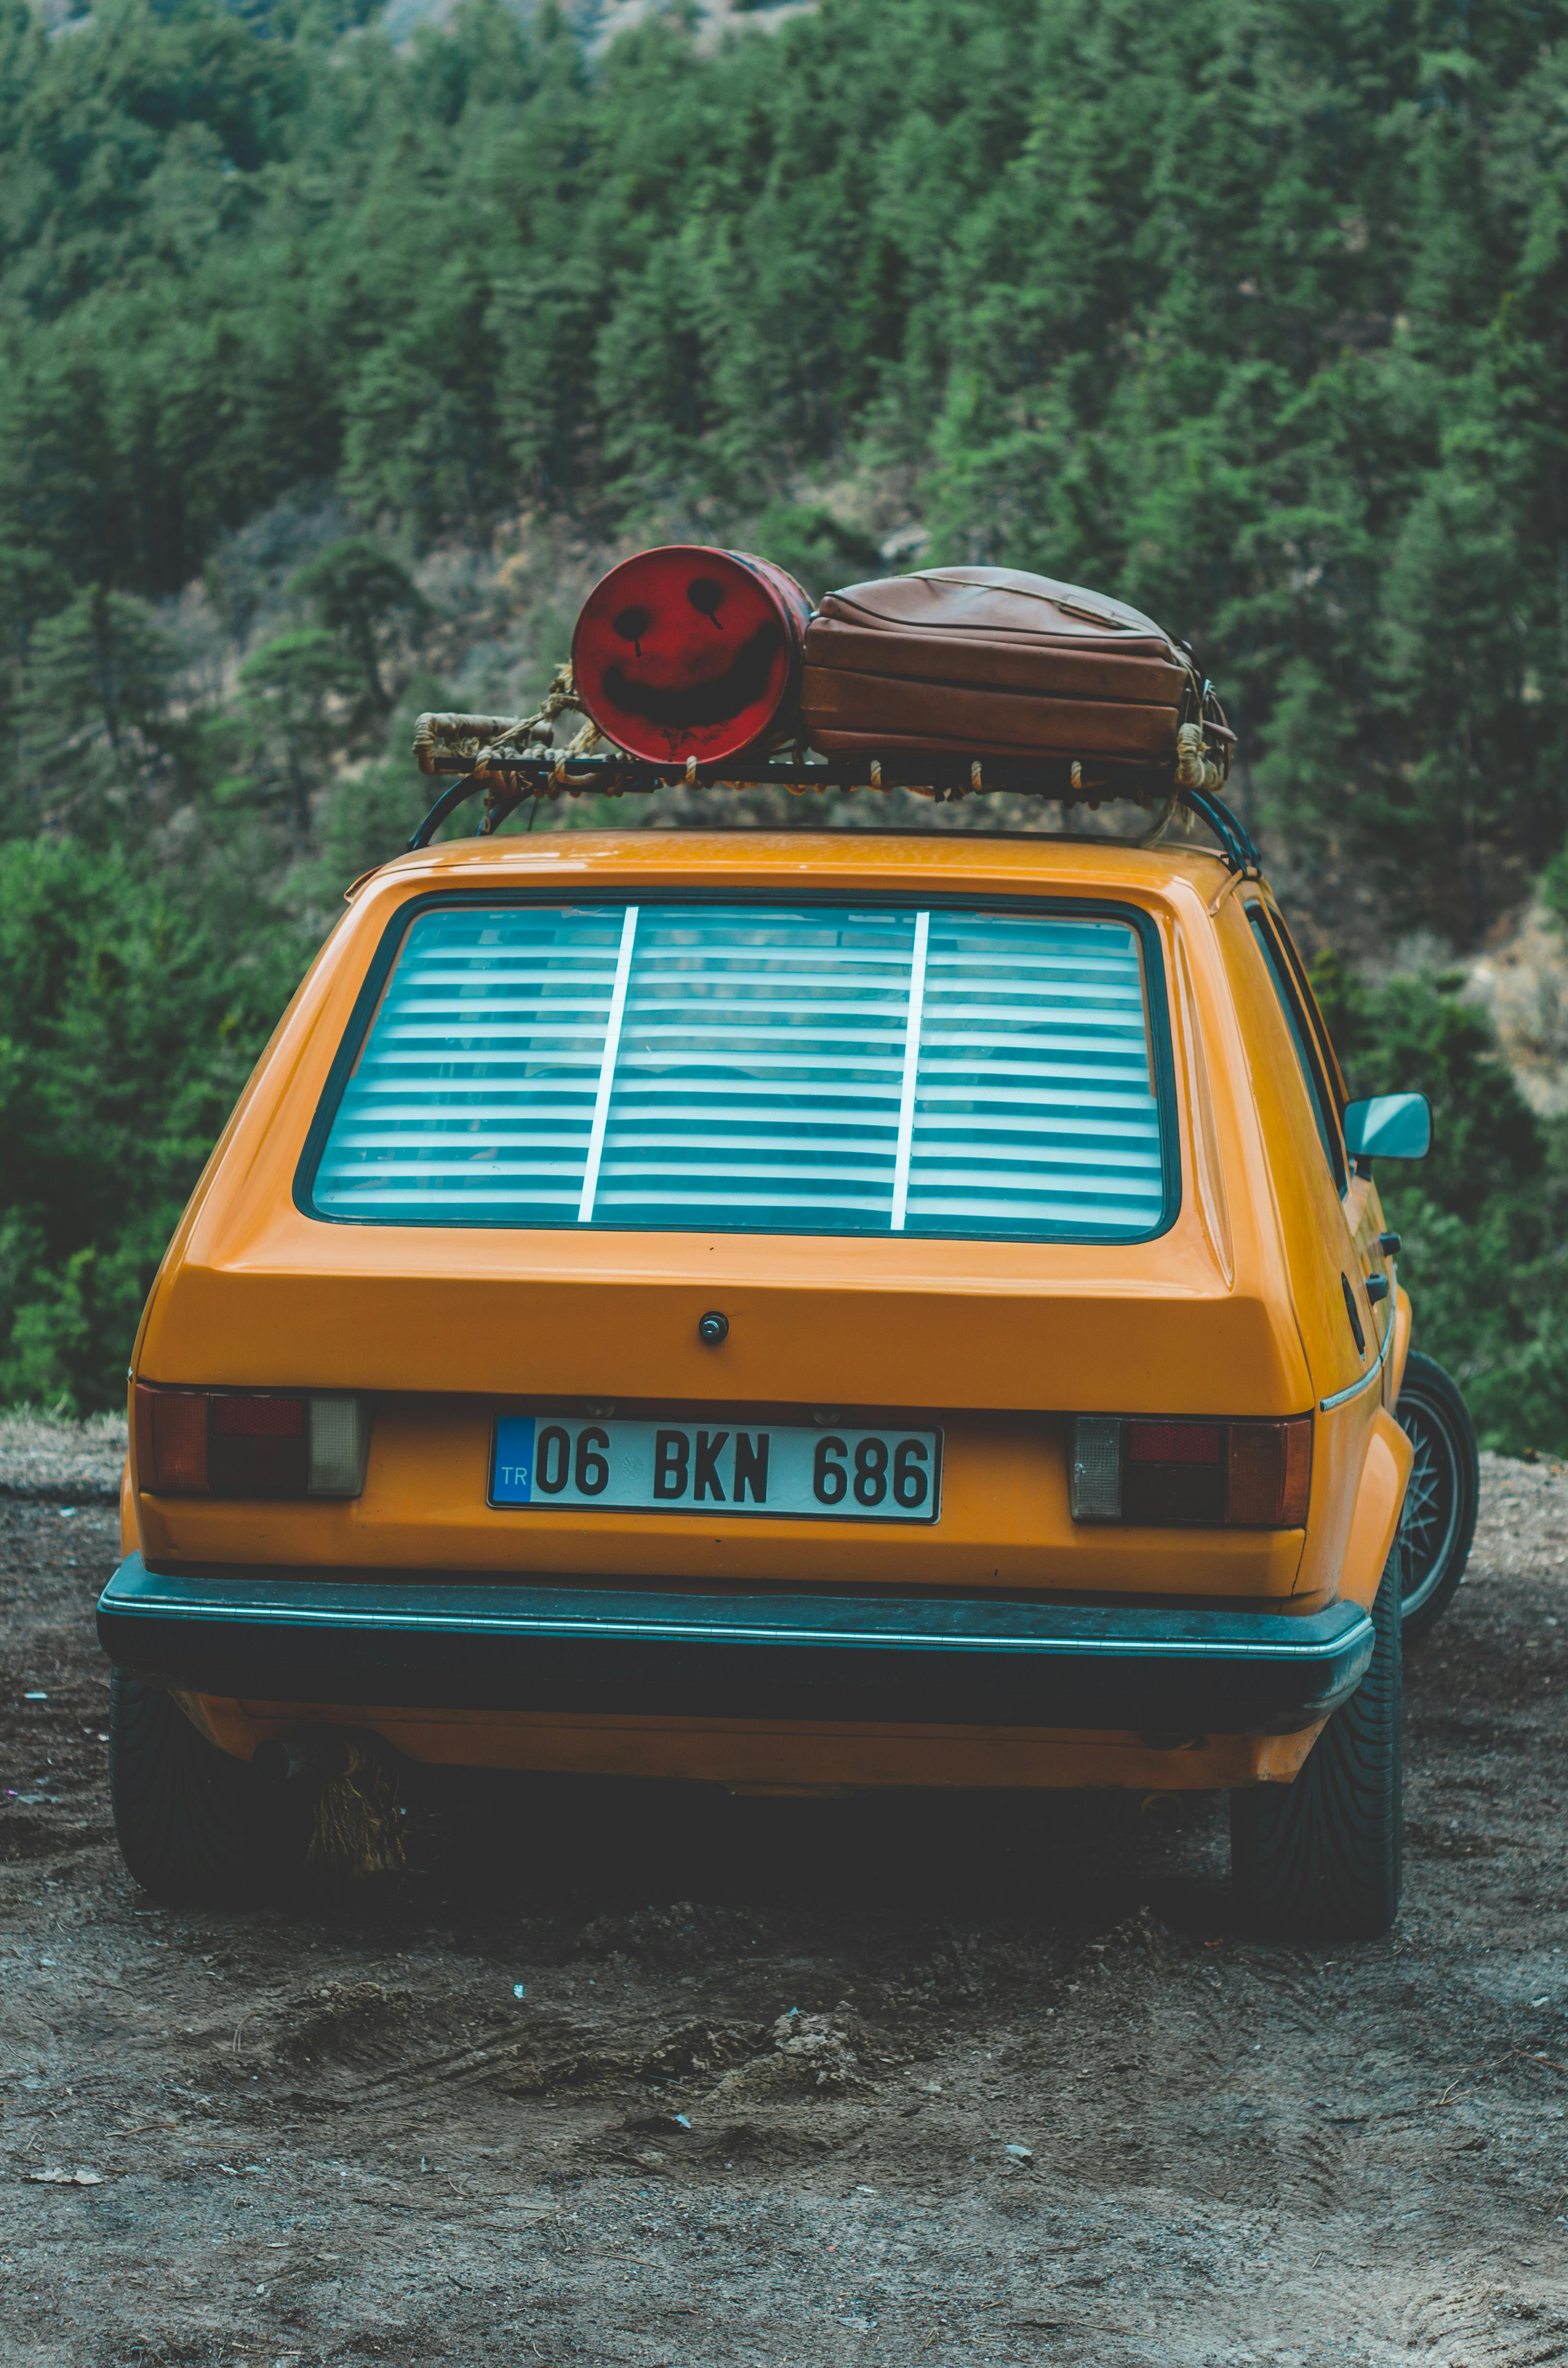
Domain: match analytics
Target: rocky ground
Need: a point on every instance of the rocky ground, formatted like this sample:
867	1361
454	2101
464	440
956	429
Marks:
622	2075
43	1461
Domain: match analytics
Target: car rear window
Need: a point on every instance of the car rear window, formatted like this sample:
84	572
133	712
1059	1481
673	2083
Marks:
798	1069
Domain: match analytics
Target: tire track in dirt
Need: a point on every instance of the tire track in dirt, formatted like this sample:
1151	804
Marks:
756	2101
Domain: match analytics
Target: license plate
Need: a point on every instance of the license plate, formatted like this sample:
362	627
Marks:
779	1468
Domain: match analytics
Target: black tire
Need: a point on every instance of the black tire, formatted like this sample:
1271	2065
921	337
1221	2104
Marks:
193	1823
1437	1525
1320	1859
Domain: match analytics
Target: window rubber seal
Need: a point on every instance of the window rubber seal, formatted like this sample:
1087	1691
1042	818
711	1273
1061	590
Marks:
1323	1085
1156	1008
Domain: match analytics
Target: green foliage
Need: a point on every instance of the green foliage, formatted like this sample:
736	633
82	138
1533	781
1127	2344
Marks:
1553	884
1484	1219
816	549
286	722
370	813
1254	313
101	671
358	592
127	1028
1412	1031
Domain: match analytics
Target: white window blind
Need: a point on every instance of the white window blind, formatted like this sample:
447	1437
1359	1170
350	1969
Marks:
805	1069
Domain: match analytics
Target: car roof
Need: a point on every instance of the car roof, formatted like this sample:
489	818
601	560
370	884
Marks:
941	862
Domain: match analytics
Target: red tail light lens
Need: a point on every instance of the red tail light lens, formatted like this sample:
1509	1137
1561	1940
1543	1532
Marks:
250	1442
1173	1471
1164	1473
687	651
171	1441
1175	1442
1270	1472
256	1447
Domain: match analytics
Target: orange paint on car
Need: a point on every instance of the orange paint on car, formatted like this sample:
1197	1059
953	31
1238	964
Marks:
1233	1307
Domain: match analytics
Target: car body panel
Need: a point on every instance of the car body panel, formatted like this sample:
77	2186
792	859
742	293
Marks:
1004	1521
775	1755
435	1639
1236	1308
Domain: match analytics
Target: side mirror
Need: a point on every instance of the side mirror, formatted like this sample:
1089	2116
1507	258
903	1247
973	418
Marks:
1390	1126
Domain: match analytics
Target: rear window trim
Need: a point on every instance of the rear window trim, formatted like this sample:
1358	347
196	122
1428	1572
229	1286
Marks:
1315	1078
1308	999
558	893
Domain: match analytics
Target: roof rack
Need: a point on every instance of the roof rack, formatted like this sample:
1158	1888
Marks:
1236	841
500	756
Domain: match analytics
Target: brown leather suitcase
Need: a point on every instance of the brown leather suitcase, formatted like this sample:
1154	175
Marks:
990	661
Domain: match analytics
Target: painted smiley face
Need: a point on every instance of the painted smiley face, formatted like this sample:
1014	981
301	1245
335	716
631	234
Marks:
687	651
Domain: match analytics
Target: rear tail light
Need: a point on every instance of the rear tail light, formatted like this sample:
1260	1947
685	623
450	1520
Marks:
1164	1472
250	1442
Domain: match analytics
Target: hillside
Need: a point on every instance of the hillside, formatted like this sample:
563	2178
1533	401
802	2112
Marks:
338	353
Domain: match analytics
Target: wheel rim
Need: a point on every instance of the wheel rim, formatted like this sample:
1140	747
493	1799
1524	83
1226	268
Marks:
1434	1499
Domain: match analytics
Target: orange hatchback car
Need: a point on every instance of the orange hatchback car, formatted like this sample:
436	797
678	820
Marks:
793	1310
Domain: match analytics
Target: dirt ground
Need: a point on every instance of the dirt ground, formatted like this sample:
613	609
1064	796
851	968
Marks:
626	2074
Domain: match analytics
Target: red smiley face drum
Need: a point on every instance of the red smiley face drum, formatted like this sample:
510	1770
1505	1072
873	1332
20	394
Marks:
685	652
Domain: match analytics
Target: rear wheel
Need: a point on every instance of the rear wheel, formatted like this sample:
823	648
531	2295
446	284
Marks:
193	1823
1443	1494
1320	1859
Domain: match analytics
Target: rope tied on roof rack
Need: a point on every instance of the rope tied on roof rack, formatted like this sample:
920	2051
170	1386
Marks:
1197	767
516	759
504	747
482	744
